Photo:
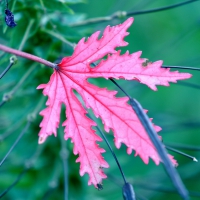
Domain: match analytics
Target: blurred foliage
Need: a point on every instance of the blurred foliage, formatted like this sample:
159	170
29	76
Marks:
44	28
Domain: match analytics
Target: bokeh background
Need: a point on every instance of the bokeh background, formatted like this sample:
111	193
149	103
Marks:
44	29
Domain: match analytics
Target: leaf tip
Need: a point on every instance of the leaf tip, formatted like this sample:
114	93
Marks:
130	20
41	86
195	160
42	139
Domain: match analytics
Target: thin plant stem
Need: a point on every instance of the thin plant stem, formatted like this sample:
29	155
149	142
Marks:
6	70
64	158
53	183
26	34
53	33
181	153
1	54
32	116
111	150
8	96
181	67
58	36
6	86
120	14
111	79
30	119
31	161
95	20
43	7
65	167
27	56
38	107
158	145
46	14
14	183
13	128
160	9
2	103
184	147
13	61
16	142
28	165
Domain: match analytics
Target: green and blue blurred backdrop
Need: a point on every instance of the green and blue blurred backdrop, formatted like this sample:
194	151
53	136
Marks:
42	29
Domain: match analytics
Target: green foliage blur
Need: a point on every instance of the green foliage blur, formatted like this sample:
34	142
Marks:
45	28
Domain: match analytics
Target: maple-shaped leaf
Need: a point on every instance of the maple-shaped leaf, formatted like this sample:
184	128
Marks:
116	113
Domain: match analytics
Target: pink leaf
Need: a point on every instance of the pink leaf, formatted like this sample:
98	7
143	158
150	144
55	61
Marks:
115	113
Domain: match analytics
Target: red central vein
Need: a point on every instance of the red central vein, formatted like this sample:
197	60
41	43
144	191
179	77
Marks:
77	126
98	73
106	107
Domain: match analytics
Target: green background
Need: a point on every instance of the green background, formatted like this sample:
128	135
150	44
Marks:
42	29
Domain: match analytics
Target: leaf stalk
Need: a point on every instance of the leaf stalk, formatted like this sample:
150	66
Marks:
28	56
